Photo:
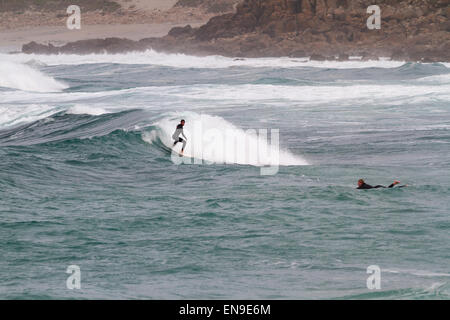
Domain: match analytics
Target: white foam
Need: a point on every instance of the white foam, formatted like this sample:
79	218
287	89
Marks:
151	57
214	139
23	77
42	91
249	93
438	79
418	273
85	109
226	97
343	95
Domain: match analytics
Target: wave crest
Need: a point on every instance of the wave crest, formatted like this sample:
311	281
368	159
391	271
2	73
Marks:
215	140
23	77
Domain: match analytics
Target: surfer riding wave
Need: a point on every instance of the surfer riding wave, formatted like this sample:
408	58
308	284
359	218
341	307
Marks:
176	136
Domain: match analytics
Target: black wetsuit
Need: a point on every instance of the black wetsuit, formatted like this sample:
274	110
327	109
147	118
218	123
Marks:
176	136
366	186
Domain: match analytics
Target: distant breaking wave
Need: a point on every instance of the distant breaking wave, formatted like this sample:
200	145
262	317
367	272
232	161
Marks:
151	57
23	77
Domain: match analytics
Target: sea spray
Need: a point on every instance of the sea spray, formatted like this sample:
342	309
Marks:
23	77
214	140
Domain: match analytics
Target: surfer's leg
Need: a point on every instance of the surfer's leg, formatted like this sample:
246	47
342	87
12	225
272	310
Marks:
379	186
176	141
184	145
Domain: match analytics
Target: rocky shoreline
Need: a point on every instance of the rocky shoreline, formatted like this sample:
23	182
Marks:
411	30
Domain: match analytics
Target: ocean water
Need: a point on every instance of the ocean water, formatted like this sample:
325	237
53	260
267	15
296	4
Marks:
87	178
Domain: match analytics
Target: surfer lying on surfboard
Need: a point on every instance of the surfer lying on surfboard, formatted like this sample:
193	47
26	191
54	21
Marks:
176	136
365	186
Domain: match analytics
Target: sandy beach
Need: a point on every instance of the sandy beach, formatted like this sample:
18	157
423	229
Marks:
148	5
136	20
12	40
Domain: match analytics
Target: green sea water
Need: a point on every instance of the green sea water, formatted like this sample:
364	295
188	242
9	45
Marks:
86	179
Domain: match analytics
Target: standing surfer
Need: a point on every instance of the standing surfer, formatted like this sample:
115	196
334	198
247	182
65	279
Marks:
176	136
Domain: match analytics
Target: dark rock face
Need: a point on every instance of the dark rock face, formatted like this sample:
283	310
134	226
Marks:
111	45
413	30
181	31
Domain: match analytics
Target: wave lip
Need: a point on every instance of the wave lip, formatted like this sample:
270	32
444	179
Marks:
214	140
23	77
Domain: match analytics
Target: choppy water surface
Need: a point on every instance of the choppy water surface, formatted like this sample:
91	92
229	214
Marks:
86	178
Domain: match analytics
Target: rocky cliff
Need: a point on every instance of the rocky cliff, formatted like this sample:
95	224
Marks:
414	30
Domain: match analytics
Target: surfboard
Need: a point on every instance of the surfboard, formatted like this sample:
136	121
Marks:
181	155
176	149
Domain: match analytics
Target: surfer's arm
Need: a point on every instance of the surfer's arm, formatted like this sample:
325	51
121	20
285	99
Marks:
394	184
